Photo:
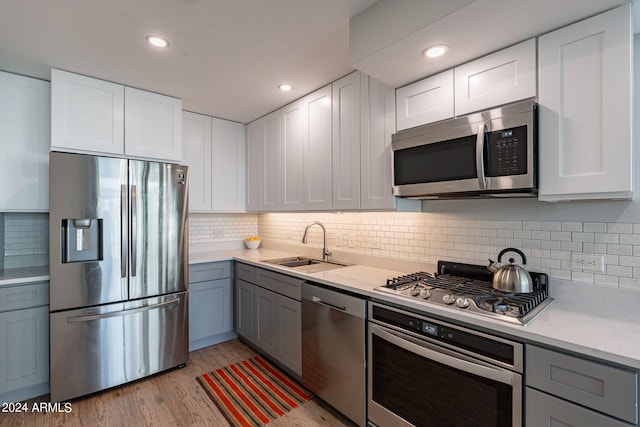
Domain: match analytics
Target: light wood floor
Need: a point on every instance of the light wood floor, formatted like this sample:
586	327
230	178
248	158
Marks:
172	398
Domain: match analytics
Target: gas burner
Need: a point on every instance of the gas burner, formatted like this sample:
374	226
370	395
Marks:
468	287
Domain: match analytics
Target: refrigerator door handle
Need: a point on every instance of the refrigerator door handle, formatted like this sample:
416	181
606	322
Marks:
123	231
134	231
77	319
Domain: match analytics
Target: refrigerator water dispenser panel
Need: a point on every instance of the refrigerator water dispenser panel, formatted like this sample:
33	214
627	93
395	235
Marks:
81	240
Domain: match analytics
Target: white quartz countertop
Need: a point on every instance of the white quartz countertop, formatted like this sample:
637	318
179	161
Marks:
17	276
594	321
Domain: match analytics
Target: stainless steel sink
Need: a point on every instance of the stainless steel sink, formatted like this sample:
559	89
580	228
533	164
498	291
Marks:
308	265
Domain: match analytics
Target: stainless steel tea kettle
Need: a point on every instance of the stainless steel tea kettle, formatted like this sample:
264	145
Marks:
511	277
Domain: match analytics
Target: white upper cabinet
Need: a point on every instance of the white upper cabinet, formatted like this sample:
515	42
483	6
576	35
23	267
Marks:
24	141
214	150
153	125
196	140
271	162
585	100
255	155
93	116
317	151
499	78
293	141
228	165
329	150
87	115
346	142
425	101
377	126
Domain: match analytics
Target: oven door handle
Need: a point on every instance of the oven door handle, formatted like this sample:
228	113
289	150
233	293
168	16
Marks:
449	358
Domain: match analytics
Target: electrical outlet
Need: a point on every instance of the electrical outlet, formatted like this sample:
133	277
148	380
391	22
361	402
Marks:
352	240
587	262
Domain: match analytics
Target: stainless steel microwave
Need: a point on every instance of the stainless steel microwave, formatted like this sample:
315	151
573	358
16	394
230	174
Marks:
491	153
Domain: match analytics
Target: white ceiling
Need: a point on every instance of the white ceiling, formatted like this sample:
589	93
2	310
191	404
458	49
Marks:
226	56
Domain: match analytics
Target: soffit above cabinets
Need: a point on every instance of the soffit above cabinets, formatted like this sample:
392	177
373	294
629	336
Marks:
387	39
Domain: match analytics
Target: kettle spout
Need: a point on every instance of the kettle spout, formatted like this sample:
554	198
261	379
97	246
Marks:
493	266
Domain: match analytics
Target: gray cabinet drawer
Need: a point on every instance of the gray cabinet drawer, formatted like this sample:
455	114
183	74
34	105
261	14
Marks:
545	410
24	296
280	283
209	271
603	388
245	272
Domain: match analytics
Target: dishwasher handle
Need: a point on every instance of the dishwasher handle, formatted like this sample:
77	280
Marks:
348	303
318	300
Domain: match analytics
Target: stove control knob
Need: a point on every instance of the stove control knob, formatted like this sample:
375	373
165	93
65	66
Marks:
415	291
449	299
425	293
462	302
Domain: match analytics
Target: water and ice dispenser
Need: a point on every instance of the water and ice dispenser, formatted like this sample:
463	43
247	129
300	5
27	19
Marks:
81	240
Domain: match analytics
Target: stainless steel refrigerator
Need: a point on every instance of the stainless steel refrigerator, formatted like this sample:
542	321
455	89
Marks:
118	271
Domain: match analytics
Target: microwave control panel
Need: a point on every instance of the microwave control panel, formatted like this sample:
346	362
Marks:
507	152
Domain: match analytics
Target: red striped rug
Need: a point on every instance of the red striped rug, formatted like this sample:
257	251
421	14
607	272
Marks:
252	392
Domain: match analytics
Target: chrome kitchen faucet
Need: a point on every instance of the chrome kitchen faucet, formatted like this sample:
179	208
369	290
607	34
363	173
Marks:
325	251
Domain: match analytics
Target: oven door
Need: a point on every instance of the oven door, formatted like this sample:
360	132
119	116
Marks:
416	383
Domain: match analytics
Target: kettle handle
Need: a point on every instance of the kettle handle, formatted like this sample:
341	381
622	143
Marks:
518	251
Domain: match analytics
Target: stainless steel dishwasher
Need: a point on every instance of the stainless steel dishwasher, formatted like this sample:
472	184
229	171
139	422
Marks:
333	349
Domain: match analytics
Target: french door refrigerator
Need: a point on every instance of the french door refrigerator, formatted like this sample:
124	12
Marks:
118	271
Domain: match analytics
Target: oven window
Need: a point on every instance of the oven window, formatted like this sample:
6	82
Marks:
428	393
441	161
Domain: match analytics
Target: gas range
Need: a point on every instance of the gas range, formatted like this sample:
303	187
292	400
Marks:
469	287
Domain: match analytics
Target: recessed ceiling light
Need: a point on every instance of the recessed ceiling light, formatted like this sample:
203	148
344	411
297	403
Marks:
157	41
435	51
285	87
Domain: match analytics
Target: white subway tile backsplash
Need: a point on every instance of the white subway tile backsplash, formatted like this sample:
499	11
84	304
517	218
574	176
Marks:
571	226
593	227
549	245
619	227
215	228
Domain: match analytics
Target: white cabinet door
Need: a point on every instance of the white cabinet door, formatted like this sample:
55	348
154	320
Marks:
585	109
228	166
425	101
24	140
346	142
378	124
317	154
502	77
87	115
293	134
272	162
24	353
196	140
153	125
255	165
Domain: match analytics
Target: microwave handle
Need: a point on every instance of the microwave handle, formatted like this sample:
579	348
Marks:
482	180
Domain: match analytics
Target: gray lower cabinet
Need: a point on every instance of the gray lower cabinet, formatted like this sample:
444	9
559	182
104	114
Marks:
568	390
244	309
267	313
210	304
24	341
